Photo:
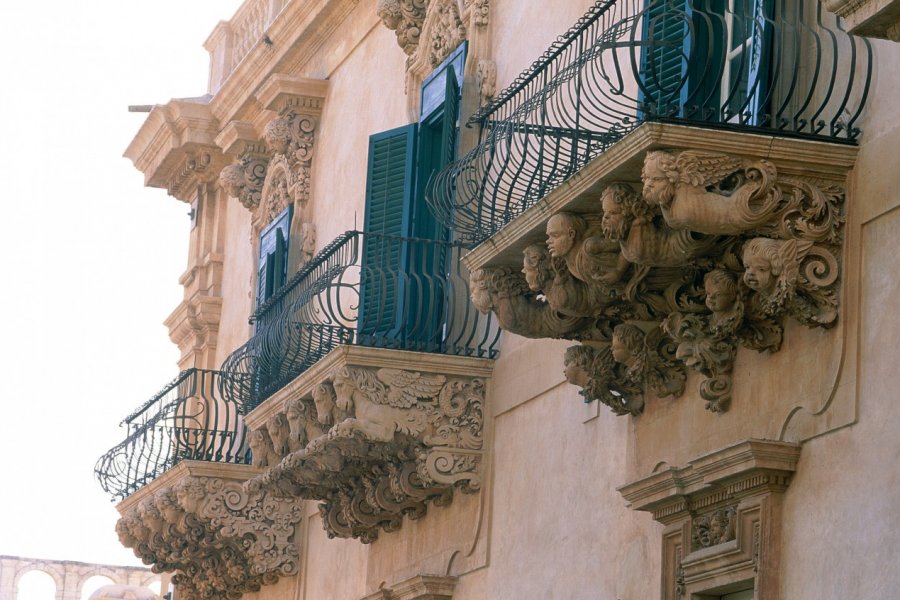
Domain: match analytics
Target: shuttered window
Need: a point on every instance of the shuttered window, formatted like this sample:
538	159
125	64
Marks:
273	255
707	59
389	193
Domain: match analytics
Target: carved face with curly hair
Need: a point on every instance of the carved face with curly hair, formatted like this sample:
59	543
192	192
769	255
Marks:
762	264
659	176
536	267
721	290
563	231
616	202
232	179
578	360
627	342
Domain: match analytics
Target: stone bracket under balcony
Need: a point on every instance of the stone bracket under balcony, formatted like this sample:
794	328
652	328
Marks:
669	252
220	537
374	435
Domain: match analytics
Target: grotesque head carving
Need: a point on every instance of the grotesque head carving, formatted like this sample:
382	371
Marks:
659	176
563	231
536	266
617	201
278	135
232	179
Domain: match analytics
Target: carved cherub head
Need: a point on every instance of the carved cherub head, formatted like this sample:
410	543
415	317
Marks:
659	176
167	504
627	343
617	202
723	298
564	230
578	360
762	264
232	179
536	266
278	135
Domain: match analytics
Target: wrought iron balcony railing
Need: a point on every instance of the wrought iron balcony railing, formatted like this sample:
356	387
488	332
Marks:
187	420
777	67
364	289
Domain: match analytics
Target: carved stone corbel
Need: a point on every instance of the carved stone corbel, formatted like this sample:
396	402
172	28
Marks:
372	445
221	539
713	254
243	179
722	517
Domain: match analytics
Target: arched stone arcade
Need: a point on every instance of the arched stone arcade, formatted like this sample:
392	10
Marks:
69	576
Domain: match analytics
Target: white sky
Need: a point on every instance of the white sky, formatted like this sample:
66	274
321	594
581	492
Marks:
90	258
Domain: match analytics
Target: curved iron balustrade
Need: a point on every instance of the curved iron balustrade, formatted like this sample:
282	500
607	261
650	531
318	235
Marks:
789	70
365	289
187	420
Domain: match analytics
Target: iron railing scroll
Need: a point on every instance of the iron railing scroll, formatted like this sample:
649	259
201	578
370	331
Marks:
777	67
363	289
189	419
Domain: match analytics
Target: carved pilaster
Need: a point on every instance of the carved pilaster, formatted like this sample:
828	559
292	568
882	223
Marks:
222	539
722	514
373	443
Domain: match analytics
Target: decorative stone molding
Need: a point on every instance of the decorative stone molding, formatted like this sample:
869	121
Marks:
420	587
716	251
175	147
722	514
371	440
429	30
869	18
221	538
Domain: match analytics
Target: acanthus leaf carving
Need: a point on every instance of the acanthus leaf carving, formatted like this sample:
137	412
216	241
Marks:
714	254
382	444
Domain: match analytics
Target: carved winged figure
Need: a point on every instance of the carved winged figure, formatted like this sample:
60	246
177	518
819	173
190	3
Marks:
380	410
711	193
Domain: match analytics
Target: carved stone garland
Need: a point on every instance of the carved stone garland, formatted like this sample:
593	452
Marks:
222	540
373	445
715	253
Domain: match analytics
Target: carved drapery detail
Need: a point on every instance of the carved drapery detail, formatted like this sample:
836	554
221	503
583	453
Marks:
714	253
373	445
221	539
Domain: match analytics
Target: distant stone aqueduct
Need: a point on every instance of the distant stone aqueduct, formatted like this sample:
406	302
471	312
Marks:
69	576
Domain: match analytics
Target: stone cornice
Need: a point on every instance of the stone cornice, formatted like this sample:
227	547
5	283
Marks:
420	587
372	440
175	145
221	538
362	356
297	33
735	471
239	137
870	18
282	93
623	161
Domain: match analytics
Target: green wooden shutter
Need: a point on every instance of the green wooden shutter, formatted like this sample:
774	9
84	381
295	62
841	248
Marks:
273	254
664	68
389	190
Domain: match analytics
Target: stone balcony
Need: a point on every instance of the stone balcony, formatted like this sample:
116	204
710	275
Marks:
666	224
